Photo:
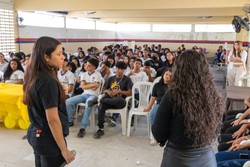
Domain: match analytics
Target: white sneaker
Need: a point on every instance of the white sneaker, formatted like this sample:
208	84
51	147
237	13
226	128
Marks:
153	142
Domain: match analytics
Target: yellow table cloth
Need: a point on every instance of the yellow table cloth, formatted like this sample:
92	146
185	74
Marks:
12	110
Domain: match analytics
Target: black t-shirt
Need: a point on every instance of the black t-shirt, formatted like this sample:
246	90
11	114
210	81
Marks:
124	83
158	91
44	94
169	125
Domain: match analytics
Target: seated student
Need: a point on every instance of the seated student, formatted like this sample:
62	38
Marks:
151	73
117	88
170	58
78	89
90	82
105	70
14	72
66	78
237	155
76	61
71	67
158	92
3	63
136	74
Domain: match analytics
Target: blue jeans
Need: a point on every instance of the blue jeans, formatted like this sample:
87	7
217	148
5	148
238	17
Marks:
153	113
231	158
73	101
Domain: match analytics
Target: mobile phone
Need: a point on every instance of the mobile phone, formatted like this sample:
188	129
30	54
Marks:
65	163
244	156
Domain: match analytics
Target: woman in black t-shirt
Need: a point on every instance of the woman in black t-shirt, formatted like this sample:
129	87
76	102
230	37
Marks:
158	92
189	115
44	96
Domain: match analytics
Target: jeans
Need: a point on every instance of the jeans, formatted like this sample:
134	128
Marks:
70	105
231	158
153	113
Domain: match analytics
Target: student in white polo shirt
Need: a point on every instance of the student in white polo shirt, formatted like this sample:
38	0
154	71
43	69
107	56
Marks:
151	73
136	74
90	82
3	63
67	79
14	72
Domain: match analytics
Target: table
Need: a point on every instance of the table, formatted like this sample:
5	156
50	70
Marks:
236	94
12	110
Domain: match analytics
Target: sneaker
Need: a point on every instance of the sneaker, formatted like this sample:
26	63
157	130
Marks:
153	142
110	120
99	134
71	124
81	133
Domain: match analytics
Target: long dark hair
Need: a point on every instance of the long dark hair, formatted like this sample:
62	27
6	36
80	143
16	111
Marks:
44	46
9	70
194	95
240	49
162	75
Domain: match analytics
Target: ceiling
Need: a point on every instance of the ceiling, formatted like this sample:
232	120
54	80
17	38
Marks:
142	11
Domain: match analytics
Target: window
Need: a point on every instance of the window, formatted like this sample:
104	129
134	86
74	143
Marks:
172	27
133	27
7	32
214	28
41	19
105	26
80	23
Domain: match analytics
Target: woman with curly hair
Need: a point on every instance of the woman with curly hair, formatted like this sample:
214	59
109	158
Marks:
189	115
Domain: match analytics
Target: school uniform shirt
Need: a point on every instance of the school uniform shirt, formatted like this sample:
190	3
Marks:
44	94
77	72
4	66
139	77
91	78
18	74
67	78
152	71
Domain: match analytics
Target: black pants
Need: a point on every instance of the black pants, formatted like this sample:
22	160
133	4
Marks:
109	103
46	151
48	161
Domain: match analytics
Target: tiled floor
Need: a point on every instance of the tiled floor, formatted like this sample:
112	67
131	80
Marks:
112	150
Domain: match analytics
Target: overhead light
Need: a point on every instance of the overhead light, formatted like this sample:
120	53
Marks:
205	17
88	12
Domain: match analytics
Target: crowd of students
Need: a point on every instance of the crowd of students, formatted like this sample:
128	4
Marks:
119	67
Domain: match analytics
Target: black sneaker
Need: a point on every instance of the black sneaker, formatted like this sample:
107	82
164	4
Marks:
99	134
71	124
81	133
110	120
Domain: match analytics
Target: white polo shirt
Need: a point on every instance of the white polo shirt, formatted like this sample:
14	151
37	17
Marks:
91	78
67	78
139	77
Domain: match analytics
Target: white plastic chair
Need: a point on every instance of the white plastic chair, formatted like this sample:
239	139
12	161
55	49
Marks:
92	113
244	81
157	80
123	112
145	89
